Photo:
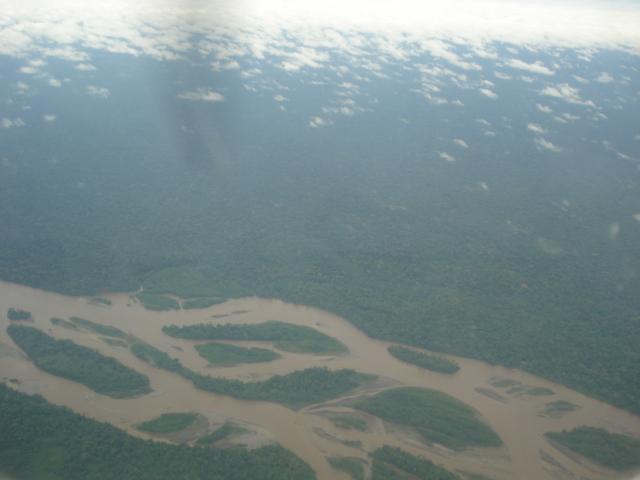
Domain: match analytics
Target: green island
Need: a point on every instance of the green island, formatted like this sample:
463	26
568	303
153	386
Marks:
612	450
225	431
159	359
350	465
395	464
515	387
226	355
205	302
168	422
538	391
421	359
348	422
98	328
295	389
438	417
115	342
558	408
66	359
61	322
18	315
157	302
41	441
101	301
285	336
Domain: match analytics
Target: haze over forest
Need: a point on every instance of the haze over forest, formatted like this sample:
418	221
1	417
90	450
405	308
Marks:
461	179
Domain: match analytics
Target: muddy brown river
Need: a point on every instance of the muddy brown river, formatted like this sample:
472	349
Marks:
517	418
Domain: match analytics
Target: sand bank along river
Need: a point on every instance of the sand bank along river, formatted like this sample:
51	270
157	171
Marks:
517	418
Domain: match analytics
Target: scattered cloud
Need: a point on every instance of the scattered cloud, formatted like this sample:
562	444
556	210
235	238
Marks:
98	91
570	117
11	122
202	95
535	67
48	118
489	93
460	142
502	76
218	65
317	122
280	98
447	157
567	93
85	67
535	128
604	77
543	108
541	143
22	87
54	82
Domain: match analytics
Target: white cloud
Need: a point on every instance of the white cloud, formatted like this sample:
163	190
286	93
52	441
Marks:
502	76
604	77
202	95
11	122
317	122
580	79
447	157
48	118
460	142
98	91
484	122
546	145
489	93
218	66
22	87
544	108
85	67
567	93
534	127
54	82
301	33
535	67
570	117
280	98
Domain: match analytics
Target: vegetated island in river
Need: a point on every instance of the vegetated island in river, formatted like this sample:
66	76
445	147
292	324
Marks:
421	359
168	422
226	355
66	359
436	416
39	440
612	450
285	336
295	389
395	464
16	315
98	328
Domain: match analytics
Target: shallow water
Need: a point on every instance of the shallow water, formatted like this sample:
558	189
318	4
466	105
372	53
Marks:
526	454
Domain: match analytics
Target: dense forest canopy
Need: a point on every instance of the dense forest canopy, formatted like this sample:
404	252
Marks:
40	441
479	199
